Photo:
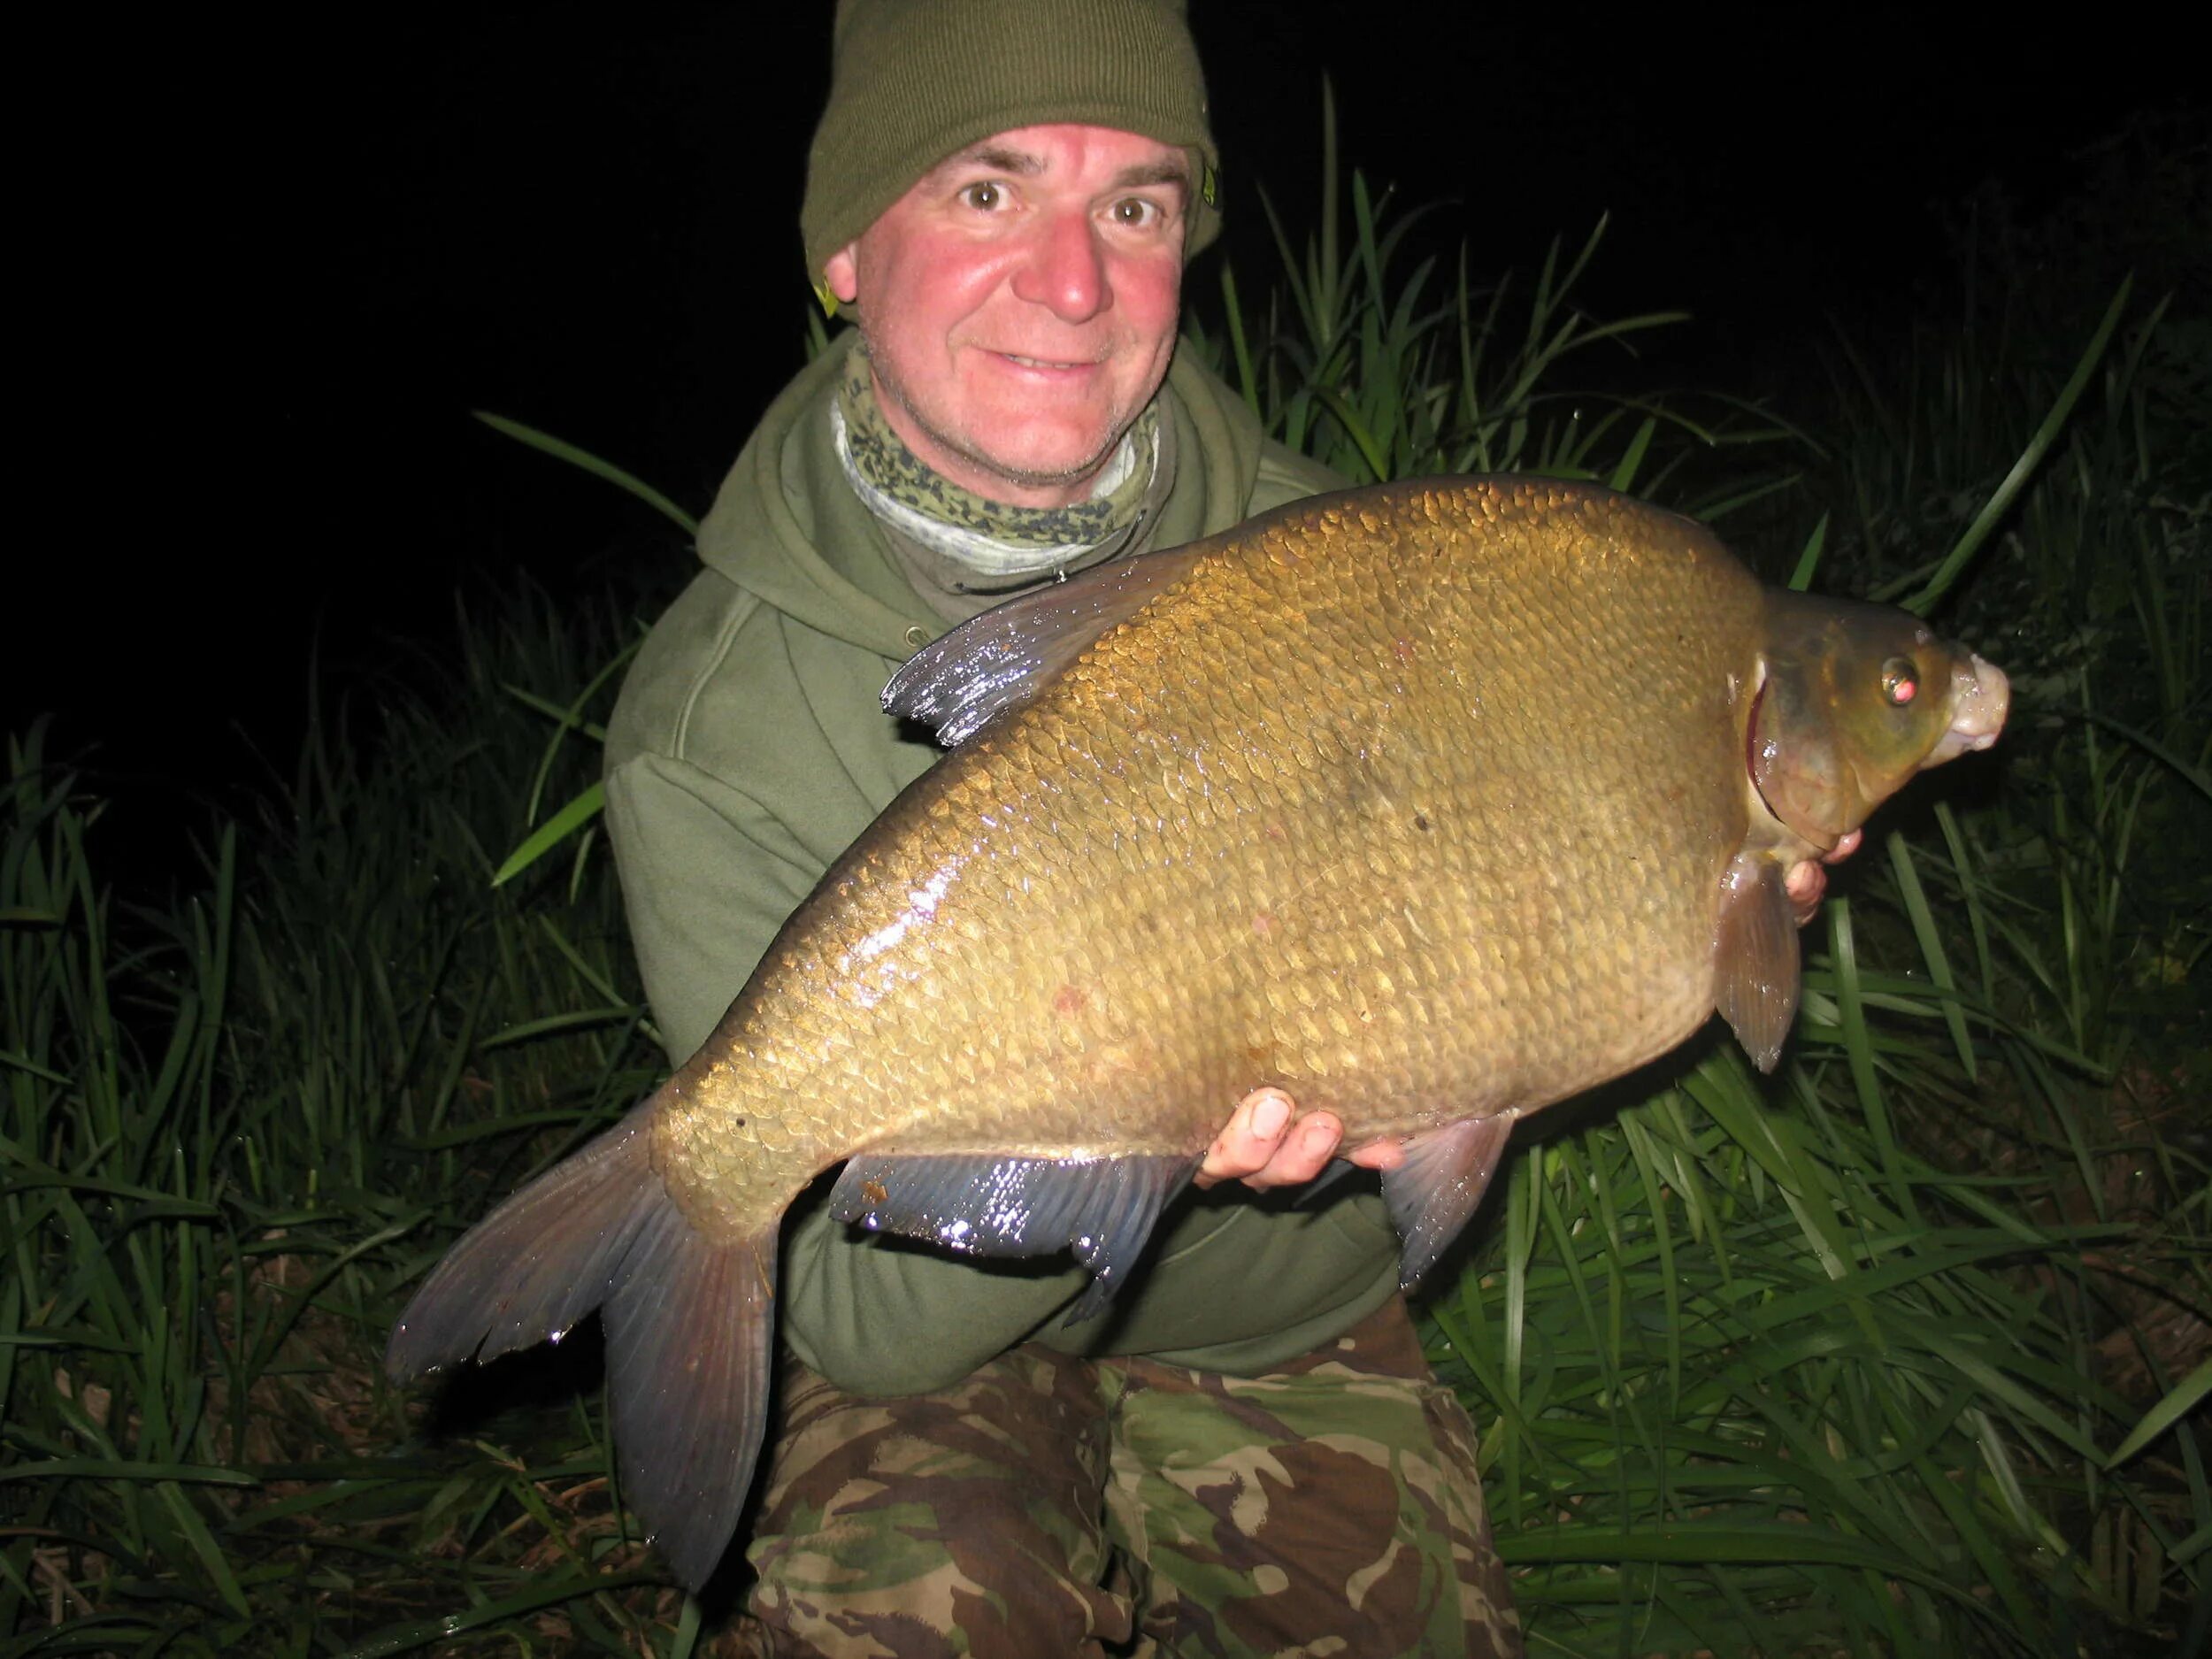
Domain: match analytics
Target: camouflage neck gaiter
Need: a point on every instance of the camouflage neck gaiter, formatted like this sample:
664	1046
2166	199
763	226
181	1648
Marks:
963	551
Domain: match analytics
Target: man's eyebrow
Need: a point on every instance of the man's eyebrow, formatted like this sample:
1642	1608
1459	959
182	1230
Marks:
994	156
1023	163
1154	173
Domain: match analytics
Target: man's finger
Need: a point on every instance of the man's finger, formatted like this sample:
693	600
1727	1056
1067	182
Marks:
1304	1154
1805	884
1379	1155
1251	1138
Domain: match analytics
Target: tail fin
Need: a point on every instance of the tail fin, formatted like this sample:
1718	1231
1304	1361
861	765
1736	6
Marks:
687	1321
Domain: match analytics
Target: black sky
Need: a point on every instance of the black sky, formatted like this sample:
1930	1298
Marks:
276	271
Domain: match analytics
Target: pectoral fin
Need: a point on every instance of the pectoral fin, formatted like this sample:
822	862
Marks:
1754	957
1437	1188
1101	1208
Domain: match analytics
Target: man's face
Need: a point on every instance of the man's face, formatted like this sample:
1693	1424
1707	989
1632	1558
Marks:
1019	305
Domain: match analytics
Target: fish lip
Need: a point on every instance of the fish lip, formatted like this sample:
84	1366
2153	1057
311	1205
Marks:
1981	697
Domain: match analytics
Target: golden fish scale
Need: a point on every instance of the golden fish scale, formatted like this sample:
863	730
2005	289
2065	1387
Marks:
1417	809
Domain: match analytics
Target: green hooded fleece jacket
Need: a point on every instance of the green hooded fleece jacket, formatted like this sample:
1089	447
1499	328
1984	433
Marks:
748	749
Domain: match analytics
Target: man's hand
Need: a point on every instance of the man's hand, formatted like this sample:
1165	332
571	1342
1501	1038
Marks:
1807	883
1268	1142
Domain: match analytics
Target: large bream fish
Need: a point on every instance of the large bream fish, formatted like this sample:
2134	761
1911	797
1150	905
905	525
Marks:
1433	804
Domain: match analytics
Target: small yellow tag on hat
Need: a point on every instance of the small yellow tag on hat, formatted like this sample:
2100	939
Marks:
826	298
1209	184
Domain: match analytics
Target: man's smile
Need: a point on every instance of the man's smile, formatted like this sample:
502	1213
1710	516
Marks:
1047	363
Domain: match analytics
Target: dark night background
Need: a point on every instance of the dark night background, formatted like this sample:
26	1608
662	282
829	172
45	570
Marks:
278	271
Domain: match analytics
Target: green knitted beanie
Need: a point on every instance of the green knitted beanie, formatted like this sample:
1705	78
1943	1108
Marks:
911	82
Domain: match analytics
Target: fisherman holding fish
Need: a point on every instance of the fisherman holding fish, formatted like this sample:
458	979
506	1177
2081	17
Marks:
1435	803
1249	1452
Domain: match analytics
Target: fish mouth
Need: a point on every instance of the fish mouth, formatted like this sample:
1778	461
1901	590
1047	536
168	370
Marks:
1981	697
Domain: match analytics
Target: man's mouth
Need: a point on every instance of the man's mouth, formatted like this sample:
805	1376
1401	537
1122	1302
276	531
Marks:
1042	362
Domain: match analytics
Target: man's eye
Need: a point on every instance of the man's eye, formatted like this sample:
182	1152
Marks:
1136	212
984	195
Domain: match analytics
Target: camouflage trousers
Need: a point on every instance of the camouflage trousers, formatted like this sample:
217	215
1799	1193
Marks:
1052	1506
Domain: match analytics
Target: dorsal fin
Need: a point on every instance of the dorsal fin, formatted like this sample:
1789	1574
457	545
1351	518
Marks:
1000	659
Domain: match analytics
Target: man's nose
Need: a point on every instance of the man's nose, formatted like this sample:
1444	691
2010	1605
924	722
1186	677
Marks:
1066	269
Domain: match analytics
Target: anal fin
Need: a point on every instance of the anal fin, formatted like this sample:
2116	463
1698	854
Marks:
1432	1194
1754	957
986	1204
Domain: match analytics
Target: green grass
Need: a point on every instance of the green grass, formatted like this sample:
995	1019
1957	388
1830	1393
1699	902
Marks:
1384	362
1901	1352
235	1131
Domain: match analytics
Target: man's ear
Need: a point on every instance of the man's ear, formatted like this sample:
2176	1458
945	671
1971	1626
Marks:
841	274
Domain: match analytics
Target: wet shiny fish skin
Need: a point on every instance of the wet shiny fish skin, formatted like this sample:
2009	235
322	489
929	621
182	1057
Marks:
1431	804
1416	803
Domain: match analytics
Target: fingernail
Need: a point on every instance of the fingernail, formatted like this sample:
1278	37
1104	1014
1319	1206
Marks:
1270	1116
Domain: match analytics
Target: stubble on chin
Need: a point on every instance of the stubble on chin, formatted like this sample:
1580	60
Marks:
891	394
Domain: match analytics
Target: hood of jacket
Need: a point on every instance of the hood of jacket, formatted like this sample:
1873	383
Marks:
786	527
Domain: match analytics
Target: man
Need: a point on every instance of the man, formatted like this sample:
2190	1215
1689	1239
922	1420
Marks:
1246	1454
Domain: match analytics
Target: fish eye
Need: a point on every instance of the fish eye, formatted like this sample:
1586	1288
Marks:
1900	681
